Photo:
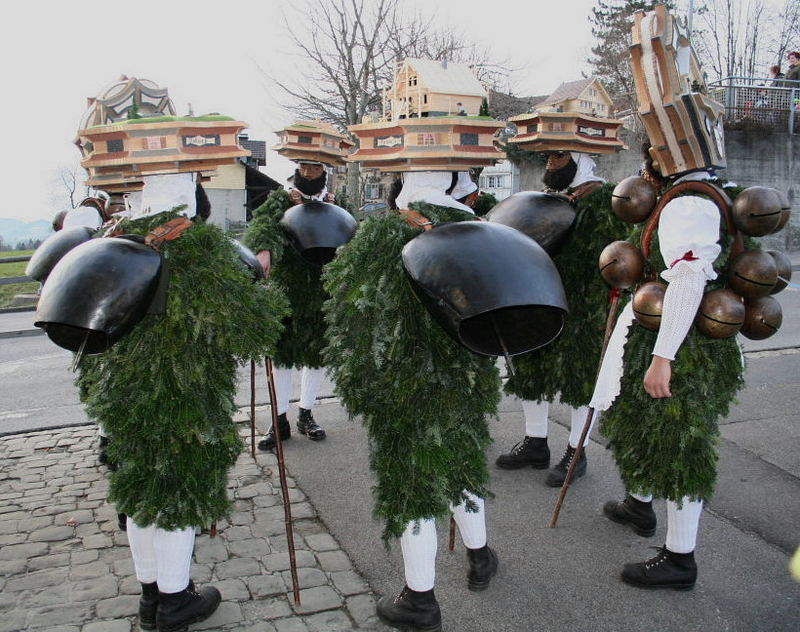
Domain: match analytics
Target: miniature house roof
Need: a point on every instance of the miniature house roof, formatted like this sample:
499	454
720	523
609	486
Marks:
446	143
446	77
572	90
130	131
567	131
313	140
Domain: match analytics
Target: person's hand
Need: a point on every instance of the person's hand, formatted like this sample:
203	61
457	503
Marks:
330	198
295	197
265	259
658	377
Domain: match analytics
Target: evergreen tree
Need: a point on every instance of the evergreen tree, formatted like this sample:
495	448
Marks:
611	26
484	111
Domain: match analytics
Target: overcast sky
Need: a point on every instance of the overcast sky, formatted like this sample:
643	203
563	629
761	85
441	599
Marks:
55	55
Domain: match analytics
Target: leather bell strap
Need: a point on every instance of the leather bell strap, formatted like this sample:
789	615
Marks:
717	196
415	219
168	231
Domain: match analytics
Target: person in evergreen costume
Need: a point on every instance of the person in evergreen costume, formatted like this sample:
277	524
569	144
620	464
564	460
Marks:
301	344
669	391
423	397
568	366
664	391
165	393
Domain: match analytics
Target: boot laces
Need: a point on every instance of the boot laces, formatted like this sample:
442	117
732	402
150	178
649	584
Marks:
659	559
569	454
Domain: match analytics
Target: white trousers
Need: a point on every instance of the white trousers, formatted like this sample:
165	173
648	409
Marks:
310	382
536	421
161	556
419	542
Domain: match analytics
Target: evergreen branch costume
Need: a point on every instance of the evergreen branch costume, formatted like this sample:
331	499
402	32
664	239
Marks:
423	397
166	391
668	447
568	365
301	343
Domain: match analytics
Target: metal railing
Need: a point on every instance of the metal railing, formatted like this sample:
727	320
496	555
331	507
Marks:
755	102
13	280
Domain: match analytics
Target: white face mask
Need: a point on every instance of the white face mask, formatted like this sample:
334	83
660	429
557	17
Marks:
163	193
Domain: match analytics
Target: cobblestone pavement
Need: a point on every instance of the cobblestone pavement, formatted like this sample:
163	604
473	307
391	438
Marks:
65	565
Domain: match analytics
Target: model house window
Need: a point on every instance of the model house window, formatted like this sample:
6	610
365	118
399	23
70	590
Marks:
426	139
305	140
469	139
556	127
154	142
373	191
115	145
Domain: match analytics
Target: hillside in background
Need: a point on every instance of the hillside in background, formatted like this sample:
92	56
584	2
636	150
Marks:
13	231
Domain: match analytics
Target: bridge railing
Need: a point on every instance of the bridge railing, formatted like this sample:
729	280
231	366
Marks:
770	104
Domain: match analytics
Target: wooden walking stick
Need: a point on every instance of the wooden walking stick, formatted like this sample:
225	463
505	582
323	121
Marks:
610	320
287	511
451	545
253	409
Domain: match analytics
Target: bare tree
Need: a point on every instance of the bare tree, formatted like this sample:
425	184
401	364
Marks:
744	37
348	51
67	188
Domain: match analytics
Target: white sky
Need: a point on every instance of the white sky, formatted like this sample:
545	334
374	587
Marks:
54	55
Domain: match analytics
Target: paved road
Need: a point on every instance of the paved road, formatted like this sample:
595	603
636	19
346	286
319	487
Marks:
550	579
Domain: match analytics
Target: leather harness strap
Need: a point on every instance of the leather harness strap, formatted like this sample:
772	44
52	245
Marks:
169	231
416	219
719	197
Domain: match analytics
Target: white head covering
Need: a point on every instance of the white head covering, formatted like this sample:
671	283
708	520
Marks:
87	216
430	187
464	186
163	193
585	172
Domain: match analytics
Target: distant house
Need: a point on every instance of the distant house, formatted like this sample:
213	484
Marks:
587	96
235	190
426	87
501	180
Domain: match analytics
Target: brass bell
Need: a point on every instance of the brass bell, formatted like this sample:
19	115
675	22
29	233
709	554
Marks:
633	200
648	303
757	211
621	264
786	210
763	317
752	274
784	266
721	314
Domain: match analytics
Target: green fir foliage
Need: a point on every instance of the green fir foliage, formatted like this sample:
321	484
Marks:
569	364
302	341
485	203
423	397
165	393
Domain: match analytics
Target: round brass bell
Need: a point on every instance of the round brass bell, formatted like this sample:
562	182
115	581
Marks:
786	210
633	200
763	317
752	274
621	264
721	314
648	303
757	211
784	266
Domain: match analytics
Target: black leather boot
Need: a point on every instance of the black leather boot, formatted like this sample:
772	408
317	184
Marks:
677	571
268	442
556	476
176	611
148	604
482	567
122	522
307	426
411	610
633	513
531	451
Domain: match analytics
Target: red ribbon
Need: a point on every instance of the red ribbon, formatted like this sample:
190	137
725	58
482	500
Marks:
688	256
